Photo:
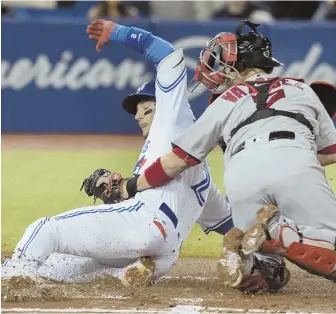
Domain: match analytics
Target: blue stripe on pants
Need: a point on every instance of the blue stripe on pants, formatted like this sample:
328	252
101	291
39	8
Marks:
221	227
33	235
135	207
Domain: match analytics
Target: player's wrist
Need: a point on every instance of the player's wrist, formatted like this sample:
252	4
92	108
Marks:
118	32
130	186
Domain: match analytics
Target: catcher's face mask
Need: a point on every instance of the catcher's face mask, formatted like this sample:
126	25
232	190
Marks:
227	54
216	62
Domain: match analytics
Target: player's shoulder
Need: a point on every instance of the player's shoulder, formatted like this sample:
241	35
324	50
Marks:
273	81
294	87
171	70
229	96
294	83
291	84
169	60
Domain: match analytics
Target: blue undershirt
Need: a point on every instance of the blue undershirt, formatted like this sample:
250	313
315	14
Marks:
153	48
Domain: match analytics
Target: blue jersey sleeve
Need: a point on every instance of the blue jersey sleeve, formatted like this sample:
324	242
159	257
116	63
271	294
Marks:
153	48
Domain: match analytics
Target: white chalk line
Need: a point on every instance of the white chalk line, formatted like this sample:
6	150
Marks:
201	278
71	310
181	309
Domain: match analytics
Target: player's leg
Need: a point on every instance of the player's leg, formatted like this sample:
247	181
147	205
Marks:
133	273
305	227
246	194
291	178
311	248
146	269
124	230
158	264
77	269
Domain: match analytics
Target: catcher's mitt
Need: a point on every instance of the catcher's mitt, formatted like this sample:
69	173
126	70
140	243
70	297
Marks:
104	185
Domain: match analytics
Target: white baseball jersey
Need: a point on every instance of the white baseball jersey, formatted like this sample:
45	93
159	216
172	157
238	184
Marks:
237	104
188	193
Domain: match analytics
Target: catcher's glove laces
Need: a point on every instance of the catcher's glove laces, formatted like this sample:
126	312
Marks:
104	185
85	184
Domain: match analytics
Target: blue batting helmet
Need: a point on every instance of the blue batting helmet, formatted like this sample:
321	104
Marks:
144	93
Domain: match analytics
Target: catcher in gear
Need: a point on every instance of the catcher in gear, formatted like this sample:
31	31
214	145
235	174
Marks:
273	130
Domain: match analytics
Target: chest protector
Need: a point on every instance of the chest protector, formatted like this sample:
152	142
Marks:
263	111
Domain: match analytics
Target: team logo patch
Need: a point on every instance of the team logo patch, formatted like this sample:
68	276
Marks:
139	164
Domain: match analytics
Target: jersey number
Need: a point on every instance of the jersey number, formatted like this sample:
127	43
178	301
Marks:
199	188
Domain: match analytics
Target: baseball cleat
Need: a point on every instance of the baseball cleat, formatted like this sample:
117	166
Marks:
256	235
230	267
138	274
268	275
250	274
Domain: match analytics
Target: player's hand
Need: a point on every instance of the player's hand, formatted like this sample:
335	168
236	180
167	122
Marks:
100	30
104	185
115	186
123	190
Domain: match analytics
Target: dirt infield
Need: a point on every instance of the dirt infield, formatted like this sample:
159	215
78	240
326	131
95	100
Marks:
191	283
191	286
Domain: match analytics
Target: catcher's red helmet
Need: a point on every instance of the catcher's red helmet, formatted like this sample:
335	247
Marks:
227	54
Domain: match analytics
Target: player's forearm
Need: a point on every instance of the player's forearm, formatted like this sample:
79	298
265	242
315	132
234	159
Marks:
153	48
162	171
326	160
